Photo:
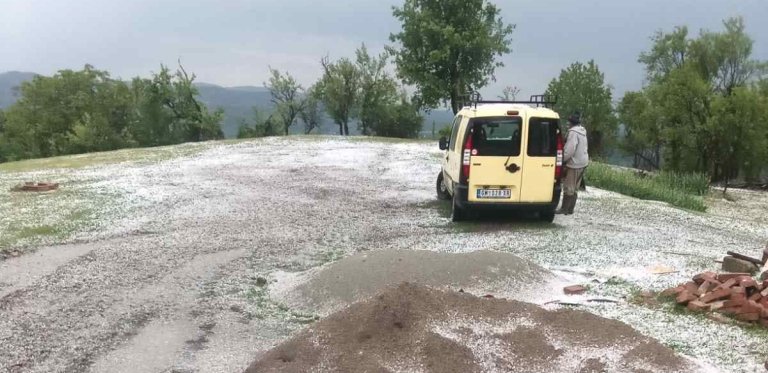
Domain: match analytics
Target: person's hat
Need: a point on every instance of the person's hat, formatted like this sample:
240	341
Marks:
575	118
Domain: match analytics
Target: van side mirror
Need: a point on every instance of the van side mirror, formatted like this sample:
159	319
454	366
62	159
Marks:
443	143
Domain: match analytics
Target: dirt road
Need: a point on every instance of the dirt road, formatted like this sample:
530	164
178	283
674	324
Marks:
167	281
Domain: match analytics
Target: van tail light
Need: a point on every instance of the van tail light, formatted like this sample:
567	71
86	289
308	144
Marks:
559	162
467	155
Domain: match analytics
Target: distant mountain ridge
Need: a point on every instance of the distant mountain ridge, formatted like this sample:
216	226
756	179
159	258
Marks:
8	81
237	102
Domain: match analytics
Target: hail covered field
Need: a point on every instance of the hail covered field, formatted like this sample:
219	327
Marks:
204	257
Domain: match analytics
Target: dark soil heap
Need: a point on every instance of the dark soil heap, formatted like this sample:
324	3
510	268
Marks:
413	328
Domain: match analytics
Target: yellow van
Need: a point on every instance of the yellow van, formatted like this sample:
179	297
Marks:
503	155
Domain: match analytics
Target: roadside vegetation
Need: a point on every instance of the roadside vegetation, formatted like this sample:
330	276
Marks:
682	190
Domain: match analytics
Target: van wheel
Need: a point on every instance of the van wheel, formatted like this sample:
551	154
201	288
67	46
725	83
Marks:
457	214
547	216
442	191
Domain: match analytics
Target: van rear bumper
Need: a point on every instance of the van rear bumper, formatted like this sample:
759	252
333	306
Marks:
464	203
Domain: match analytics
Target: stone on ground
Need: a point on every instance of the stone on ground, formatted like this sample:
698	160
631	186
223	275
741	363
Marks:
731	264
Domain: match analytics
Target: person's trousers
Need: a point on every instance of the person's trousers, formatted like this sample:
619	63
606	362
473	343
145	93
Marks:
571	183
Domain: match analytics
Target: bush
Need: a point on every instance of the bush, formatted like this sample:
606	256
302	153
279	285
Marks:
445	132
681	190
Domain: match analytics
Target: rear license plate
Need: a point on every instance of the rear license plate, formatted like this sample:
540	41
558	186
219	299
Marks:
493	193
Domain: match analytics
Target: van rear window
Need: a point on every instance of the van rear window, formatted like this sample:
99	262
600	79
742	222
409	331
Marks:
542	137
496	137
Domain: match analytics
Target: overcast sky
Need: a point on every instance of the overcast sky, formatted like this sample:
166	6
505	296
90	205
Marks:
231	42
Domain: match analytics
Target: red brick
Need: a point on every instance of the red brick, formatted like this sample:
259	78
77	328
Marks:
574	289
672	291
729	310
716	295
764	293
692	288
764	302
740	297
702	277
728	284
748	283
748	317
724	277
738	290
755	297
685	297
714	306
697	306
734	303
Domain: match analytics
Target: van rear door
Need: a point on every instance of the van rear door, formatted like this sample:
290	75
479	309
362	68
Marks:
540	160
496	161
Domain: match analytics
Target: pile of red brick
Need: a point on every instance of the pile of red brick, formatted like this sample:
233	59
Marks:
735	294
32	187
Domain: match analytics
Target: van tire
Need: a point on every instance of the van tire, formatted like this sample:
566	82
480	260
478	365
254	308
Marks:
442	191
547	216
457	213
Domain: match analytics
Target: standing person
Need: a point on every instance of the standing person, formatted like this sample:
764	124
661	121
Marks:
575	159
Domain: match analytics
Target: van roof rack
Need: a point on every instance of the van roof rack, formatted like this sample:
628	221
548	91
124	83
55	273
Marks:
547	101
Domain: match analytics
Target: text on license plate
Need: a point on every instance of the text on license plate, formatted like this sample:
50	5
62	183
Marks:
493	193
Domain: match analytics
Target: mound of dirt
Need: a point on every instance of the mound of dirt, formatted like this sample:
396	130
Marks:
413	328
364	275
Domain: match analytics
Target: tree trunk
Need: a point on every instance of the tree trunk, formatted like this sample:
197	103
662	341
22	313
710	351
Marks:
346	129
341	129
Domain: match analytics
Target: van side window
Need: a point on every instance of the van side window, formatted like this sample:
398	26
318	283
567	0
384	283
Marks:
496	137
454	132
542	137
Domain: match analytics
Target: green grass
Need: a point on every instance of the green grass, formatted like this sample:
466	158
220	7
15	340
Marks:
685	191
156	154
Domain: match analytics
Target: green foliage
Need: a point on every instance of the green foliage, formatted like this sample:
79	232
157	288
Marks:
676	189
311	114
84	111
642	123
378	91
285	93
261	127
700	104
338	90
581	87
445	132
449	48
401	120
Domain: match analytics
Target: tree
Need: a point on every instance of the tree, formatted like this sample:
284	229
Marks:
449	48
168	112
311	114
509	93
285	93
703	103
400	119
339	89
41	121
261	126
643	133
582	88
377	89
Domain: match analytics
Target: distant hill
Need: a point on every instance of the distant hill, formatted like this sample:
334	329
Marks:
237	102
8	81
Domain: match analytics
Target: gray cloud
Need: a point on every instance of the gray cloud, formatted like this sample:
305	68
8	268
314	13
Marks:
232	42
